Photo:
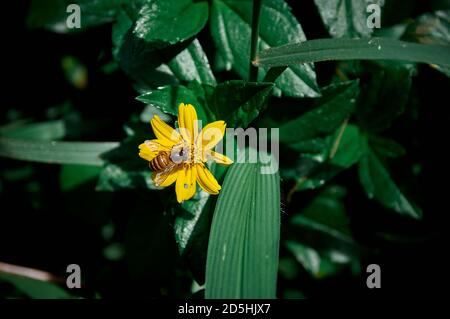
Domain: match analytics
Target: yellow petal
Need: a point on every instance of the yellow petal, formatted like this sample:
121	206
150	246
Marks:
170	179
220	158
164	132
212	134
187	122
186	183
150	148
206	180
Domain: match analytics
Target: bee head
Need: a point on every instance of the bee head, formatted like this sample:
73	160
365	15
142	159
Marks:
179	154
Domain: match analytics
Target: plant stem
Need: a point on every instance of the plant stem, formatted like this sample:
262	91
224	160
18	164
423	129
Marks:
253	71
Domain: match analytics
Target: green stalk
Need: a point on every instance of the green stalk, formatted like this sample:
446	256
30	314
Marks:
253	72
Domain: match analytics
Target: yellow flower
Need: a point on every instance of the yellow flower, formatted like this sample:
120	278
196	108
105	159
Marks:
179	156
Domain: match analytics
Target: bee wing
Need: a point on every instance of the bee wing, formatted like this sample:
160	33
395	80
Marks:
160	177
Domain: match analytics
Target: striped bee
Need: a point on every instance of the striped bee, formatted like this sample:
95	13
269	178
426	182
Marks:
164	163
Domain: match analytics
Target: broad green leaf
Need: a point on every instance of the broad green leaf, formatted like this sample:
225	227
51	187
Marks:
432	28
353	49
43	131
35	289
191	64
333	108
346	18
86	153
236	102
230	28
243	245
144	62
168	99
379	185
384	98
163	22
347	148
239	102
119	29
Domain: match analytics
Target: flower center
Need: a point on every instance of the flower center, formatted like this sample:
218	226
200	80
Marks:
185	153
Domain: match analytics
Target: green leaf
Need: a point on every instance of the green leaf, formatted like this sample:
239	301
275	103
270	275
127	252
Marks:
341	151
188	64
336	105
163	22
168	99
244	241
353	49
432	28
239	102
384	98
346	18
86	153
43	131
35	289
348	147
230	28
119	29
378	185
191	64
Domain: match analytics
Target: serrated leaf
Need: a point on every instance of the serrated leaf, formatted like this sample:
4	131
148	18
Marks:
188	64
346	18
164	22
168	98
336	105
230	27
379	185
191	64
239	102
244	241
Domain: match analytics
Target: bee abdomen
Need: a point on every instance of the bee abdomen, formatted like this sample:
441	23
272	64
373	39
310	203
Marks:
159	162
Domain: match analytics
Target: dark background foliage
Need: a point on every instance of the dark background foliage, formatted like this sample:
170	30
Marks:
124	240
